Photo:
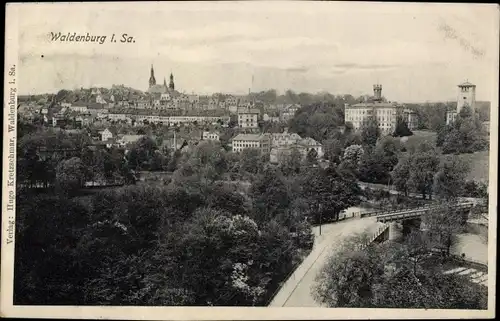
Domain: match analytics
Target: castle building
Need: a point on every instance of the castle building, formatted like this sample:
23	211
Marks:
466	97
385	113
161	89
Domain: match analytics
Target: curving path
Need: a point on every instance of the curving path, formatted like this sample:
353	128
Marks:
296	292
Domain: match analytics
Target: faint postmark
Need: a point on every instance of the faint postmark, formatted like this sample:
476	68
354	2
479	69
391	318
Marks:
451	33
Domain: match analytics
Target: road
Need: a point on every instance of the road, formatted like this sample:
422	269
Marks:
296	292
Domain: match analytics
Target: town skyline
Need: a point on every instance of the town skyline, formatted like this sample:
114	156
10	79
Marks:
423	59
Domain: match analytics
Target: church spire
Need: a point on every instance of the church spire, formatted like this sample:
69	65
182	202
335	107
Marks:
164	82
152	80
171	84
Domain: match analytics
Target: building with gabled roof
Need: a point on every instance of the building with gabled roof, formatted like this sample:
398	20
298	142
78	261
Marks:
285	138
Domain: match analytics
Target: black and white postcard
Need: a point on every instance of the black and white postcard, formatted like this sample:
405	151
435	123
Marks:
226	160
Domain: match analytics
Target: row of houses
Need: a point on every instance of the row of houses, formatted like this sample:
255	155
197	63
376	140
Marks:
248	115
173	100
109	139
278	145
168	120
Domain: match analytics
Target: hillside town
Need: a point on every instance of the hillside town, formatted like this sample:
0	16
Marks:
98	109
312	161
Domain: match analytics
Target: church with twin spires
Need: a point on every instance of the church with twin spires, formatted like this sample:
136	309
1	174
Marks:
160	89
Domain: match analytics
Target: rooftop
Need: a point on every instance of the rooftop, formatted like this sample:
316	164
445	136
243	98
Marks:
374	105
131	138
250	137
248	111
308	141
466	84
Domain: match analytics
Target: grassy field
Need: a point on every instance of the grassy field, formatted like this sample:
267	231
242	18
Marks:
479	165
419	136
479	161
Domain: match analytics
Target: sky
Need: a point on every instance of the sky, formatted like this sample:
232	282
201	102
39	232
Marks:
418	52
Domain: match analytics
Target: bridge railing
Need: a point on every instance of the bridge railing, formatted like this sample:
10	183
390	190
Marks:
397	210
379	232
416	211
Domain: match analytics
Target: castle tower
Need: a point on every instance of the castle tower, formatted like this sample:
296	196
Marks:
152	80
171	84
466	96
377	92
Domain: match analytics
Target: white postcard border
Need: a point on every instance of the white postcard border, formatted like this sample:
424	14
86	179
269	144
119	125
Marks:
206	313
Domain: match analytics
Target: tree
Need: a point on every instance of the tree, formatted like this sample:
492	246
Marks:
50	269
291	162
442	226
312	156
376	164
159	161
353	138
449	180
140	156
401	174
349	165
70	175
270	195
318	120
348	278
465	135
388	148
328	192
465	112
173	163
349	128
353	154
374	168
225	198
370	132
333	150
442	133
401	128
423	167
250	161
387	276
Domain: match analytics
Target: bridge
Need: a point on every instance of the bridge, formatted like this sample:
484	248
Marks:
409	217
400	215
295	291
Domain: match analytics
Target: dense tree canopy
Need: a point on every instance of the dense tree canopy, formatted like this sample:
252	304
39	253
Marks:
328	192
401	128
370	132
388	276
465	135
449	180
318	120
